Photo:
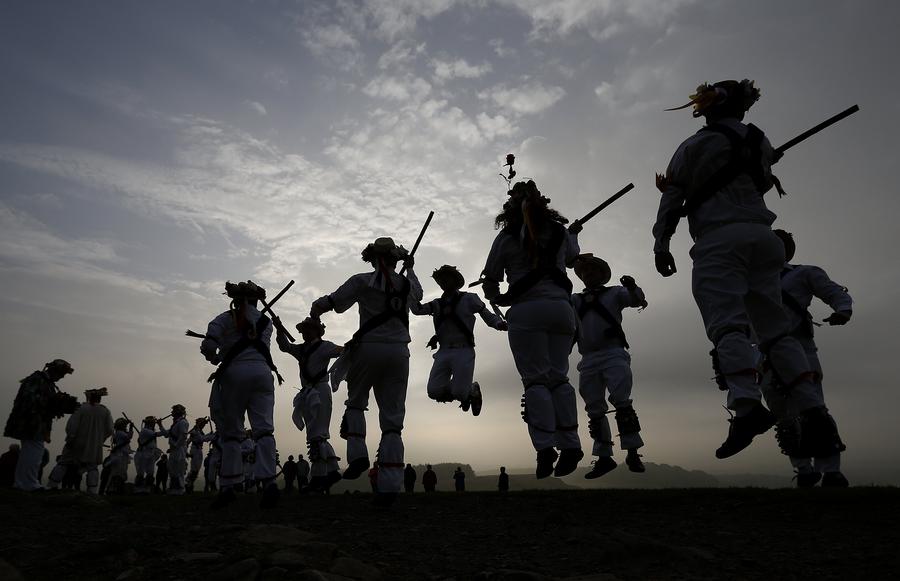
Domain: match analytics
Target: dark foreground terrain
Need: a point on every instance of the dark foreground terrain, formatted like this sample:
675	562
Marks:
598	535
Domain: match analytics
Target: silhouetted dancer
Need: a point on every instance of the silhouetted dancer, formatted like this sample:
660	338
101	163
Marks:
86	431
454	325
810	438
146	455
162	474
376	358
409	478
605	366
177	435
531	252
313	403
289	471
38	402
303	471
717	178
197	437
215	462
429	479
8	461
503	480
459	480
119	458
238	342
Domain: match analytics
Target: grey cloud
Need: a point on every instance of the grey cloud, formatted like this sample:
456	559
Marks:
527	99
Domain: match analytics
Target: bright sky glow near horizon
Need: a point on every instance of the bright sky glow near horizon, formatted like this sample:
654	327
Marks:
151	151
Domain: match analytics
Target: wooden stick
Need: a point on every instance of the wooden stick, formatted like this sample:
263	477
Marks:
419	239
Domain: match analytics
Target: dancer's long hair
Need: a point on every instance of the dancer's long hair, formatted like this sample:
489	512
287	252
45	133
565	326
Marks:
526	206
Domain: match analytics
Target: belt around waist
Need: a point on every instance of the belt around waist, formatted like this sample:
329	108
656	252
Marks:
456	346
716	225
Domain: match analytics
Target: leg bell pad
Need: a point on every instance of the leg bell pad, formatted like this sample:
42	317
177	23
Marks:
819	434
627	420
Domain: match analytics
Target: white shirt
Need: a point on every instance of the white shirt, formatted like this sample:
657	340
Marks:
592	328
693	163
467	307
222	333
803	282
315	363
365	289
509	260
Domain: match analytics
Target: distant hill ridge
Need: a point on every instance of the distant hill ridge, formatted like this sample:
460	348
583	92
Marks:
657	476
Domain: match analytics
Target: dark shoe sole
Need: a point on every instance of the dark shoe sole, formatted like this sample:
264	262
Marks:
595	473
568	462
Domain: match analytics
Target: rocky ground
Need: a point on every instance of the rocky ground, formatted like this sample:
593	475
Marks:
569	534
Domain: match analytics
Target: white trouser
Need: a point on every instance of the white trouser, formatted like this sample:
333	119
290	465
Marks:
177	464
312	410
540	337
245	388
451	374
212	471
144	462
784	405
89	471
737	286
384	369
601	372
118	465
28	465
196	459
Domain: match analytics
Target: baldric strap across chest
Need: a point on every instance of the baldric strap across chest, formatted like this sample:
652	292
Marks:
306	374
395	307
746	158
544	269
591	302
805	327
250	340
447	312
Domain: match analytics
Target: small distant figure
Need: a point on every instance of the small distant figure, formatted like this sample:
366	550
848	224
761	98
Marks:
119	458
605	366
409	478
8	462
373	477
86	431
215	461
162	474
459	480
454	338
289	471
38	402
197	437
503	480
429	479
810	439
177	435
146	455
303	471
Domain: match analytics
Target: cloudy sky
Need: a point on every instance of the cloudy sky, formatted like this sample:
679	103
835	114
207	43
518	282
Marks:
150	151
